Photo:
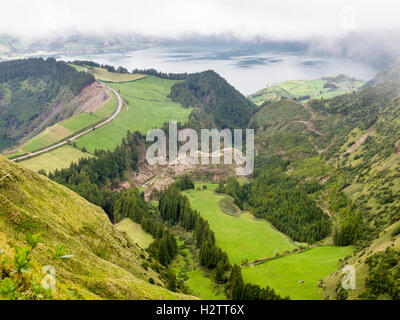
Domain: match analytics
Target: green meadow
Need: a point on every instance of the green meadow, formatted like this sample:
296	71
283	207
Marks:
198	281
242	236
135	232
301	88
56	159
286	274
203	287
147	106
245	238
104	75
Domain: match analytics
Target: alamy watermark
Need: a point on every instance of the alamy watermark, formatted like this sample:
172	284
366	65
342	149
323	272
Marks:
49	279
349	278
189	152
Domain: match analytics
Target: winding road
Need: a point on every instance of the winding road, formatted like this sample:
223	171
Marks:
108	120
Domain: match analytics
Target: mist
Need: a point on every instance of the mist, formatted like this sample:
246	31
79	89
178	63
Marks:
364	30
244	20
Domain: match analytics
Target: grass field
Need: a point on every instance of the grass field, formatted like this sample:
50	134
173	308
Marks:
300	88
283	274
104	75
56	159
202	286
135	232
242	236
147	107
189	271
77	68
46	138
65	128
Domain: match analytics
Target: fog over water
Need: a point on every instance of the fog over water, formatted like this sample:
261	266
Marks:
247	68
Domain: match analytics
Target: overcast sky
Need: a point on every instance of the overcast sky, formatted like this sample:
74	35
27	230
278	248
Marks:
276	19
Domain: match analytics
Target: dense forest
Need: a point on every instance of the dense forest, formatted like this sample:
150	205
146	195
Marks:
214	96
59	73
90	177
30	89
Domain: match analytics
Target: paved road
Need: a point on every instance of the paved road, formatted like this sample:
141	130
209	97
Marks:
111	118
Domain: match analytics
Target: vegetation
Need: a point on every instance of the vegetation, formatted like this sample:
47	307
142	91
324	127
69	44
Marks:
243	237
214	97
246	291
147	107
383	280
114	76
18	280
30	89
69	127
276	197
298	274
104	263
304	90
175	208
162	75
135	232
59	158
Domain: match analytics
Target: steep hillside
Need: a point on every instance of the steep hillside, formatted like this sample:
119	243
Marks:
216	102
35	93
101	262
347	148
377	270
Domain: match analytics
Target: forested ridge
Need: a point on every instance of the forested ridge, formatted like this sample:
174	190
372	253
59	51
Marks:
215	97
60	73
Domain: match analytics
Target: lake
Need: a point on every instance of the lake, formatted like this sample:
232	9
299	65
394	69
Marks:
248	68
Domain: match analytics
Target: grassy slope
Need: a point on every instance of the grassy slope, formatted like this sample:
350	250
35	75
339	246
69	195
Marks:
368	175
283	274
147	107
56	159
106	263
300	88
243	236
135	232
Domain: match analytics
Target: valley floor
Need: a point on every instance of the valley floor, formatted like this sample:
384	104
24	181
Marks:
244	238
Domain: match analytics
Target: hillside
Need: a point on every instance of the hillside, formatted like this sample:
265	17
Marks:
34	94
347	149
102	263
304	90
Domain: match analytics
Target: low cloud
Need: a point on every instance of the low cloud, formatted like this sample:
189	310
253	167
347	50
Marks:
173	19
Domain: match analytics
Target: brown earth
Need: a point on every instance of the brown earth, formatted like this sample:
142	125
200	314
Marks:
91	98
